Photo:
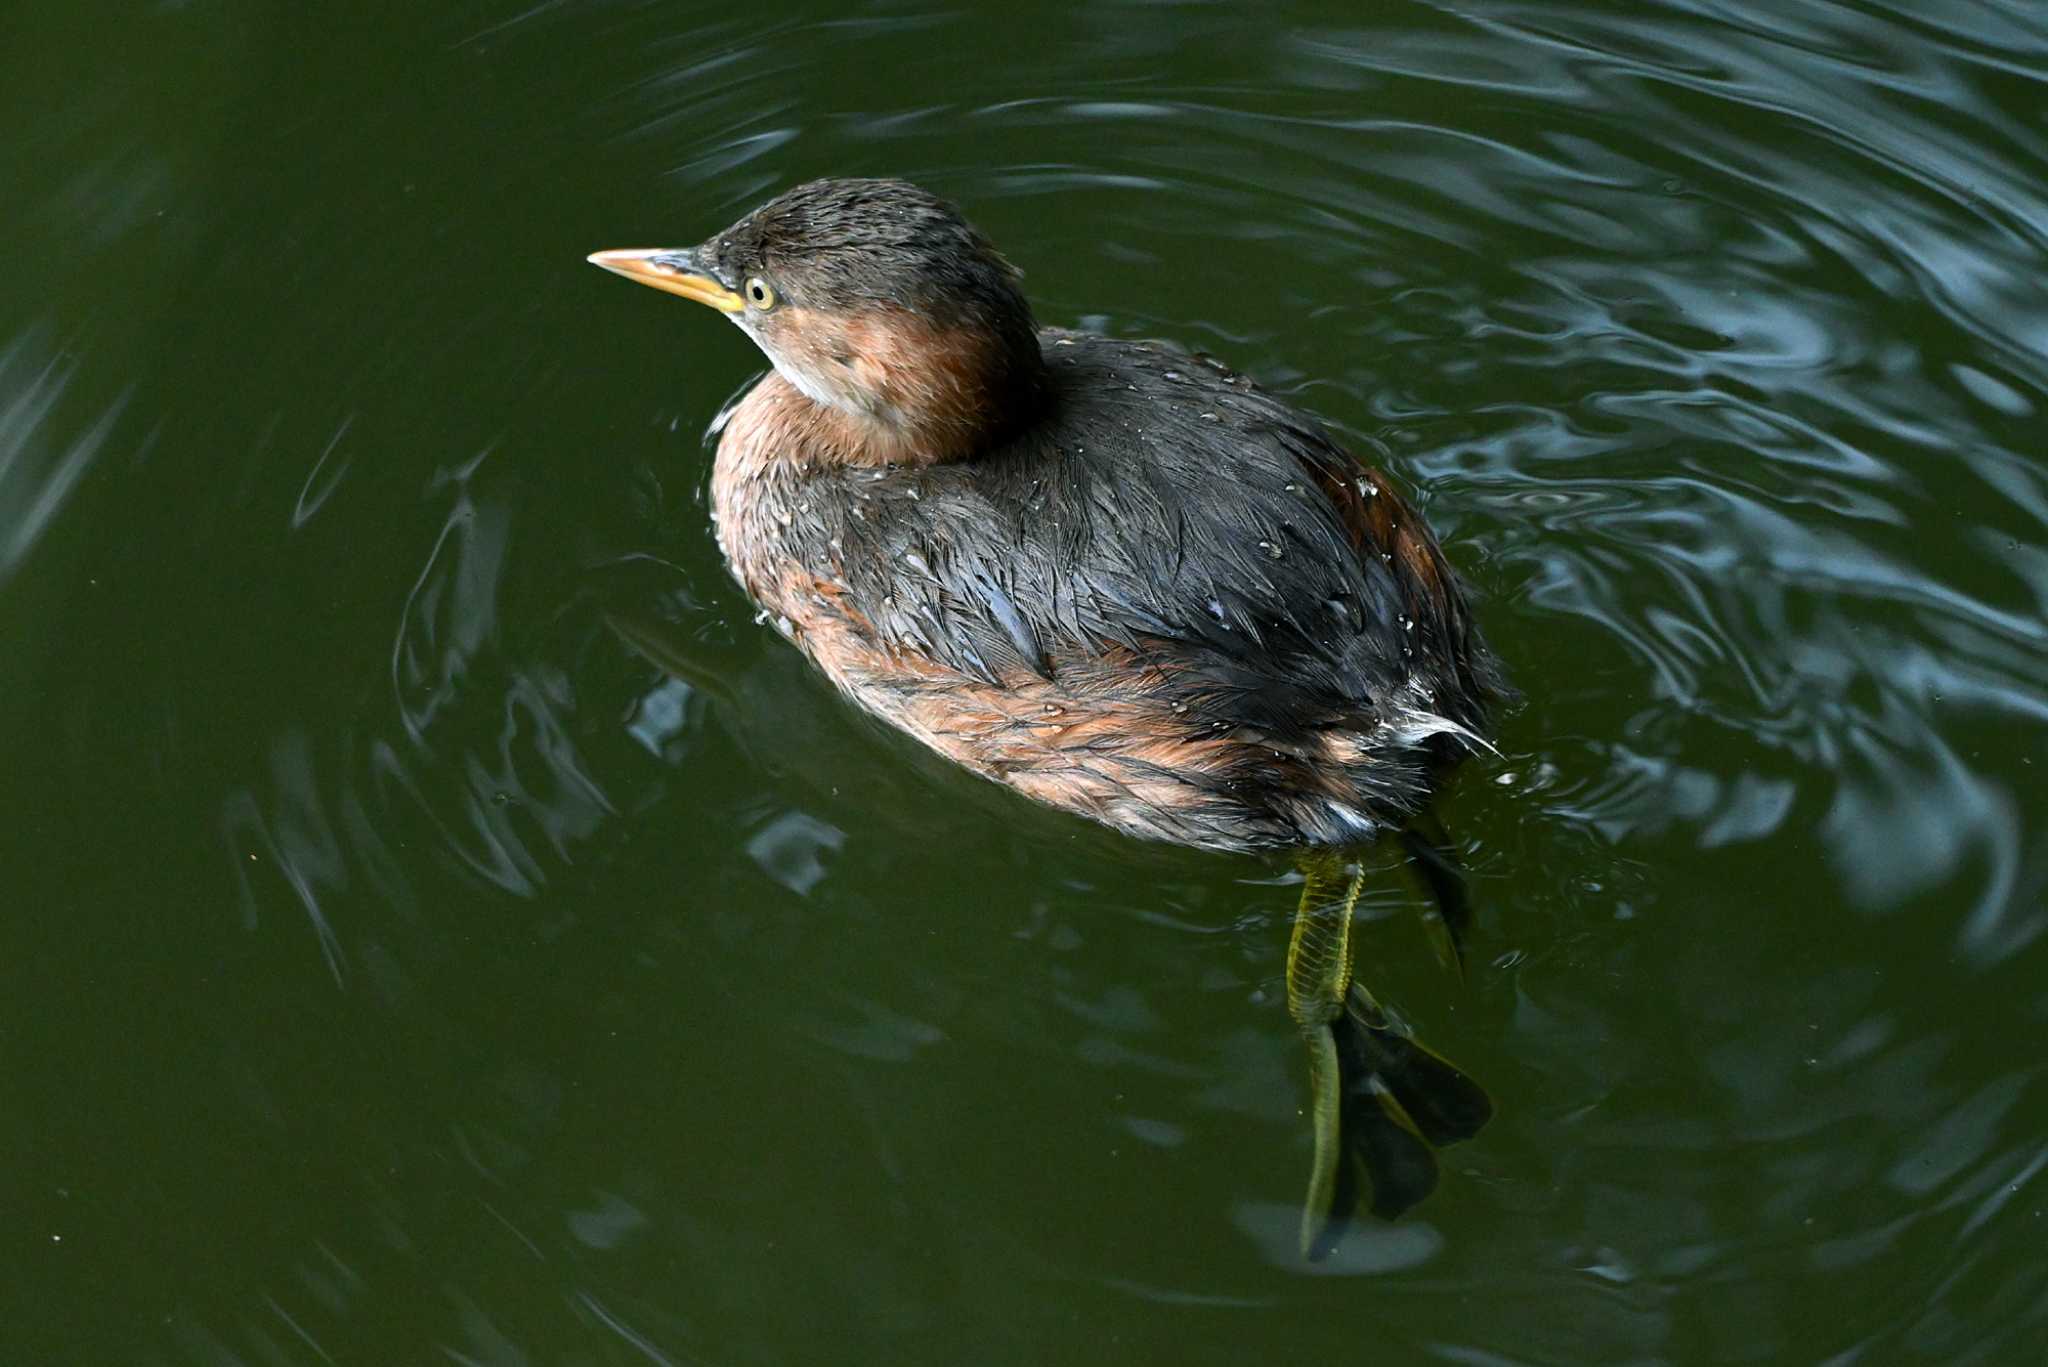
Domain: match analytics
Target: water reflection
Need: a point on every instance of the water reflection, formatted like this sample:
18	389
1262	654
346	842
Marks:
39	472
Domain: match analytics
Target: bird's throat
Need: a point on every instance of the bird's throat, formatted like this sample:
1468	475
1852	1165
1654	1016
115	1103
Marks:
889	387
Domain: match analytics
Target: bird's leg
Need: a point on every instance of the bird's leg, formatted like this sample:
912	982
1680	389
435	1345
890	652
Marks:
1379	1101
1318	971
1434	861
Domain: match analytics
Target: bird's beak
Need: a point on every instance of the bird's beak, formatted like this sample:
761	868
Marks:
673	269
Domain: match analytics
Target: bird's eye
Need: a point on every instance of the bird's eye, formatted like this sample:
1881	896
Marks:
760	293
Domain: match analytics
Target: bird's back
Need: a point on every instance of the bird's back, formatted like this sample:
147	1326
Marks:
1171	603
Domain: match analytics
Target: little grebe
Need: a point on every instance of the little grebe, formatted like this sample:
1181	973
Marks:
1117	577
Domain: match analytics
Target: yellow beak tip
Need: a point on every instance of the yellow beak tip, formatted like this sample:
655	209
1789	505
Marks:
634	263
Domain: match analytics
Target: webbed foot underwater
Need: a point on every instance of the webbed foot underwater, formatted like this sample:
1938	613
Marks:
1380	1103
1120	579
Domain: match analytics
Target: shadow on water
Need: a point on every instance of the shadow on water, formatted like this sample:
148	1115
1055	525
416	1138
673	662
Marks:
447	926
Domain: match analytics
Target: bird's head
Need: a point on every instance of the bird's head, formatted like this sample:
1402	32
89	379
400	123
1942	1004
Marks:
873	298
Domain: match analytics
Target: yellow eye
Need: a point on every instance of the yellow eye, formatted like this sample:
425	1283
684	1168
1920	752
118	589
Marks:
760	293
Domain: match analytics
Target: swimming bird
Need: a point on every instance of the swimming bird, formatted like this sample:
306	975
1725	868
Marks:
1116	576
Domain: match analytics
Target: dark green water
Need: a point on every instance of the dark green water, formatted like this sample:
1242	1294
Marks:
396	968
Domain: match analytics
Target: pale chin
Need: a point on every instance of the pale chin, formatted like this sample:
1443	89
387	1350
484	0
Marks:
816	391
808	385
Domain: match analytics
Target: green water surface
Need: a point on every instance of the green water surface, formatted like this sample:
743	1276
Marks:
397	967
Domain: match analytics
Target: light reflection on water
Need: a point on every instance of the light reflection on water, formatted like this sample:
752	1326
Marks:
1714	343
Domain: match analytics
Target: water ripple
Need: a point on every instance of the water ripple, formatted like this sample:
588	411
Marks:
36	478
1712	336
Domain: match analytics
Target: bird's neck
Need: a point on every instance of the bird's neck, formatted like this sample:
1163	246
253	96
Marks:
906	398
891	387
